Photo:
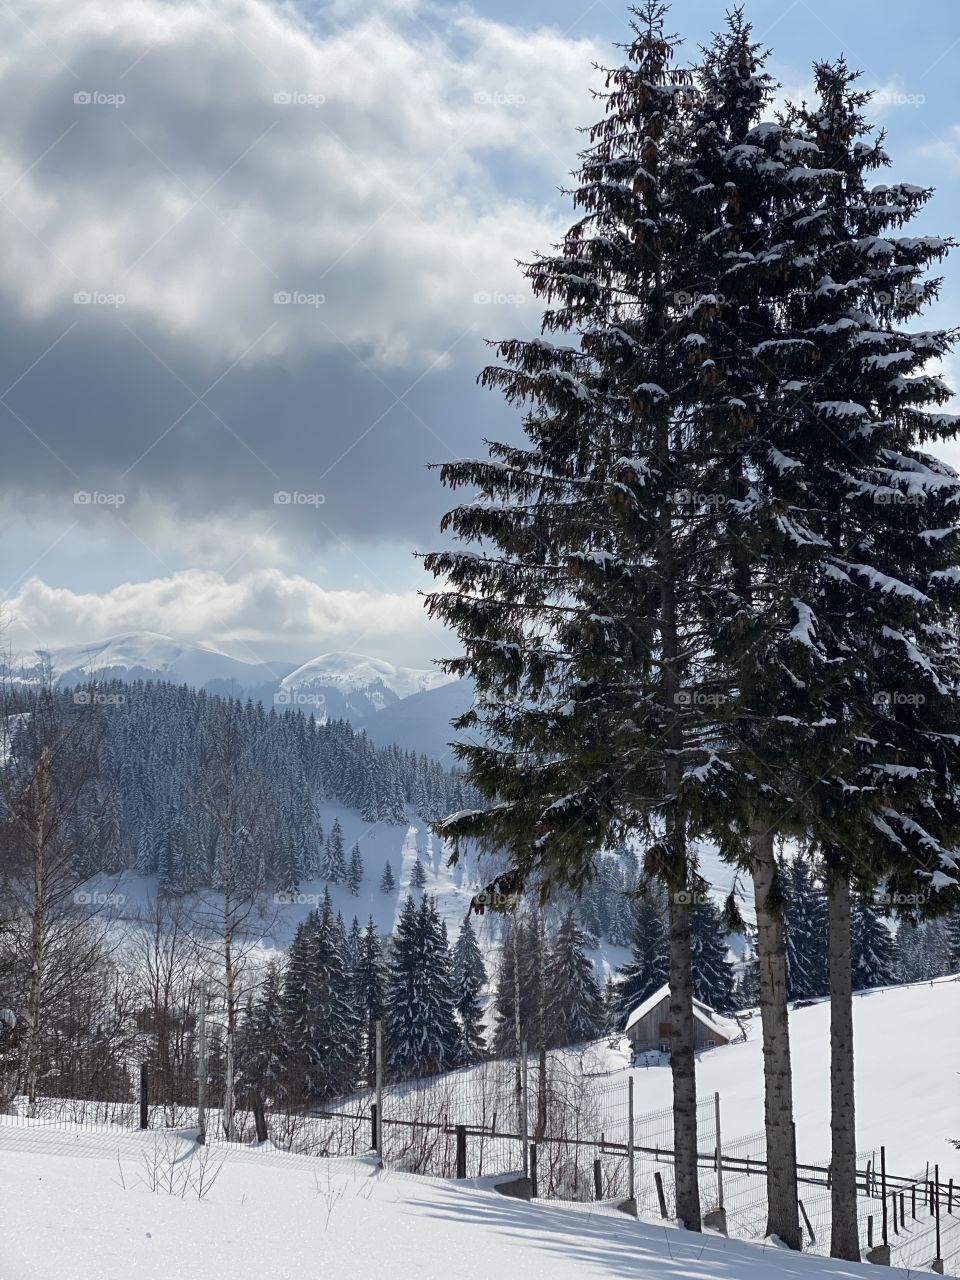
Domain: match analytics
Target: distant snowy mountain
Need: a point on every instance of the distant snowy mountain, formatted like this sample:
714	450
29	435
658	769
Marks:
422	721
144	654
353	687
336	685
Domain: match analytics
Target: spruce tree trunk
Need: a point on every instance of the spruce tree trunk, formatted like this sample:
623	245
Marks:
844	1232
783	1218
683	1067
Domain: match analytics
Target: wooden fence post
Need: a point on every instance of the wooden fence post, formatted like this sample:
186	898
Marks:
658	1179
883	1190
533	1171
597	1180
461	1132
936	1200
259	1119
373	1125
144	1089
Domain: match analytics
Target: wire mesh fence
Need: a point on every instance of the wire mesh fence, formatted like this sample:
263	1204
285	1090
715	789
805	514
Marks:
553	1118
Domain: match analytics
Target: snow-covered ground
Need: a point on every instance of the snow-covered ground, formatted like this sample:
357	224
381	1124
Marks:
79	1205
907	1047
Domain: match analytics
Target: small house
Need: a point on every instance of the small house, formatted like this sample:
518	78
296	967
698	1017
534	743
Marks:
648	1026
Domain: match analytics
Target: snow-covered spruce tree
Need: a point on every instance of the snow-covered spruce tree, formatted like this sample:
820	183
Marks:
647	970
467	958
265	1038
953	942
834	617
322	1023
355	871
335	863
574	1011
575	610
469	978
420	1022
524	949
387	881
713	973
878	611
369	983
873	958
805	929
418	876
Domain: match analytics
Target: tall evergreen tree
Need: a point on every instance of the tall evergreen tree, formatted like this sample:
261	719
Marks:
574	1010
647	970
873	956
355	873
369	986
713	973
387	881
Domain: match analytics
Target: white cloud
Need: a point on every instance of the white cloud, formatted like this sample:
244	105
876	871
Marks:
266	613
200	197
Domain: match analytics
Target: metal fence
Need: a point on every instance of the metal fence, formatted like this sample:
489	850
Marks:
554	1119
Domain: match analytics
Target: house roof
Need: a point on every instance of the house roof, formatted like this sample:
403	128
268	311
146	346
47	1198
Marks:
713	1021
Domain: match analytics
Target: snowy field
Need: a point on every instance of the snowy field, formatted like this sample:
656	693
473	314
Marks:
80	1206
907	1046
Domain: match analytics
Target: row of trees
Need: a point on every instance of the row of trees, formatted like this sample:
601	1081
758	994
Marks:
714	592
143	805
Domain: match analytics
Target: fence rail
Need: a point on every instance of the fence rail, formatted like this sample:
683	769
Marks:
571	1130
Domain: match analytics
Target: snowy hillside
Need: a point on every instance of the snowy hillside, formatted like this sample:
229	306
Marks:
336	685
352	671
80	1204
147	654
907	1045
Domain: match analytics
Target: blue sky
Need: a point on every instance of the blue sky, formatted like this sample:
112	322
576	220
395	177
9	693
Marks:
295	228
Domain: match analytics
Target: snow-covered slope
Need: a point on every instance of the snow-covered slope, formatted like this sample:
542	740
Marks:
137	654
338	685
77	1204
907	1047
352	672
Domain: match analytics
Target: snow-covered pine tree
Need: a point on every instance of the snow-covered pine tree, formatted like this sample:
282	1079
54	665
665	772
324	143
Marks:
420	1021
953	942
873	957
574	1010
469	978
335	863
805	928
841	539
355	872
467	958
574	612
647	970
418	876
387	881
369	979
713	973
529	952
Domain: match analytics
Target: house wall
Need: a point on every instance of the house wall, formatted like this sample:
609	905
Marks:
646	1034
